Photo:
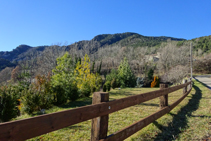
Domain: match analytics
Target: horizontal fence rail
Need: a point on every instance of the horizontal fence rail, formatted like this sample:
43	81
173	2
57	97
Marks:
35	126
130	130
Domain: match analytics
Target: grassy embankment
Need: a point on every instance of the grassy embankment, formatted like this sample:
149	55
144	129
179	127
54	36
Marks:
190	120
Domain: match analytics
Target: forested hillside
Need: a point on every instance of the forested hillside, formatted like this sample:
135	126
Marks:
15	53
24	52
110	49
5	63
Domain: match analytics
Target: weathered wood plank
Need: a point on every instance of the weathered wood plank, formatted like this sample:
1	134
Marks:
32	127
164	98
100	124
185	88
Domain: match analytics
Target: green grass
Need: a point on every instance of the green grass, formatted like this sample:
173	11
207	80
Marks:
190	120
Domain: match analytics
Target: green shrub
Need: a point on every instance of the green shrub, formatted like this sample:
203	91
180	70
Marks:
112	75
8	104
31	101
85	90
118	84
158	82
104	88
114	83
60	96
65	90
108	85
93	89
150	74
125	74
63	80
34	100
73	92
124	77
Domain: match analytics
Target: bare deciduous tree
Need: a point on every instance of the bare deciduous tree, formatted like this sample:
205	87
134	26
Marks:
47	61
5	74
175	74
172	56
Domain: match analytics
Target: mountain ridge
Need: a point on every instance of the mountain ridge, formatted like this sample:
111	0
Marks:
128	39
110	38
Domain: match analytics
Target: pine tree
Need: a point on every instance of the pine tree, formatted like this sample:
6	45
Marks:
93	67
63	81
99	70
125	74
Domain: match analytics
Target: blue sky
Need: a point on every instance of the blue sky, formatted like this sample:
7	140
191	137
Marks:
47	22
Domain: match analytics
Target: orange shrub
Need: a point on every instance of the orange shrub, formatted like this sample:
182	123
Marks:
155	82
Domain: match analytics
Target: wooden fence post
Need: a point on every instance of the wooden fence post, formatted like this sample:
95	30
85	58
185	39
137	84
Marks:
185	88
164	98
100	124
189	86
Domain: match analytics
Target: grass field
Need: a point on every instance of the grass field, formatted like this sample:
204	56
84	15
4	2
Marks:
190	120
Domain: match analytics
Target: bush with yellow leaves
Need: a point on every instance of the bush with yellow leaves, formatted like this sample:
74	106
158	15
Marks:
87	82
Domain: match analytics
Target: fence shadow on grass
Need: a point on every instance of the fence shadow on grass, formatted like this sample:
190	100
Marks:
179	122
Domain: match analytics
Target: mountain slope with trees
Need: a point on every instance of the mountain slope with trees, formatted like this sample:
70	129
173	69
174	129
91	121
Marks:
11	55
124	39
107	51
25	52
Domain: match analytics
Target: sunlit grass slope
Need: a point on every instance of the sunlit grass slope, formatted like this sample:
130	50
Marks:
188	121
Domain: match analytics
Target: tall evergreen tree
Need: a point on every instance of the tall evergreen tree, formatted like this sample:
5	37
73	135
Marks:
99	69
93	67
63	81
125	74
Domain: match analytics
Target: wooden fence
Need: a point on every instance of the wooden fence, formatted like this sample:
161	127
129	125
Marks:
98	112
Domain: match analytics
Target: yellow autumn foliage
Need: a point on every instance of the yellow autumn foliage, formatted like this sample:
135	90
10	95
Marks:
83	75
